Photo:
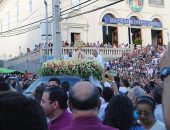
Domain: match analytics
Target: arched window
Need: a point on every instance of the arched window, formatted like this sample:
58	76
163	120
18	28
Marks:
134	18
110	33
158	23
134	21
107	16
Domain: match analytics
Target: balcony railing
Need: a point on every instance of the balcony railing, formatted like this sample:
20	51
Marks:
107	53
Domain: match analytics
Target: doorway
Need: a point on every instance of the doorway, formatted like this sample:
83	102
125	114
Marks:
110	36
75	37
136	34
157	38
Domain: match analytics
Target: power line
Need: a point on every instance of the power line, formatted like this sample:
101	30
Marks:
67	5
29	18
41	19
24	25
15	32
25	30
81	7
21	32
93	10
75	6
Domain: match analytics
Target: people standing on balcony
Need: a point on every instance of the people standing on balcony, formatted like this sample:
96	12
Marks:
66	43
114	45
98	44
67	55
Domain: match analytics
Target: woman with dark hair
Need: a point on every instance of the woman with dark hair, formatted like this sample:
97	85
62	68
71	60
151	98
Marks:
37	94
145	109
119	113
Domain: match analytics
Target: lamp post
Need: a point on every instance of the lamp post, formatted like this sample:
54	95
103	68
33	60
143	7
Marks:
46	19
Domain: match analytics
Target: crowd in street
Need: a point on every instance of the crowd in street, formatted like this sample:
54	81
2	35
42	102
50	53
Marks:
130	98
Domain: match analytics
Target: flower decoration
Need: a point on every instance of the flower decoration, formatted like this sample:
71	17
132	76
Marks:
82	68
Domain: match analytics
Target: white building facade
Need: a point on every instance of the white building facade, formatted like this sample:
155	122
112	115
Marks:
146	21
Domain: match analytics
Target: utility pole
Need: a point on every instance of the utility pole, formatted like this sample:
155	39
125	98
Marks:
46	19
57	47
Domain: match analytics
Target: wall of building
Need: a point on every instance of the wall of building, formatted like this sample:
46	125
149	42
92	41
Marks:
121	10
10	44
88	25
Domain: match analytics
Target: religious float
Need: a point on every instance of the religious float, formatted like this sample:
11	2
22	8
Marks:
79	66
86	69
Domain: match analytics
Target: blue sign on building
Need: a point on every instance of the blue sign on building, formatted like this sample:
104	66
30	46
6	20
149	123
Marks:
132	22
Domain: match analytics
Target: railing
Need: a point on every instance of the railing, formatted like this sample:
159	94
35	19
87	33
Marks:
105	52
31	61
34	55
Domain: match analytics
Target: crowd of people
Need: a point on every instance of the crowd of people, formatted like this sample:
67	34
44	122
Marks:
88	44
130	98
140	66
96	44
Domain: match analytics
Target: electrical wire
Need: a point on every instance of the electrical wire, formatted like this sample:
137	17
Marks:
75	6
21	32
33	28
42	19
81	7
25	25
29	18
93	10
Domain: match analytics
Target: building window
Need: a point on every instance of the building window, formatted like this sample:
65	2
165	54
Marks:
156	2
30	5
8	19
17	10
75	3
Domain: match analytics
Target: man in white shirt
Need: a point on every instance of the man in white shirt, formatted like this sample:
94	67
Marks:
157	95
107	95
158	126
98	58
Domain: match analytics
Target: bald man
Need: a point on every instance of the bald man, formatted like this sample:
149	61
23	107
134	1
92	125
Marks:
84	102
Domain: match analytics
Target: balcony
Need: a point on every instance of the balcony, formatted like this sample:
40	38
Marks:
107	53
31	61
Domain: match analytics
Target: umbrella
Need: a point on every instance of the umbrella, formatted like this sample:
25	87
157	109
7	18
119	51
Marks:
9	71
